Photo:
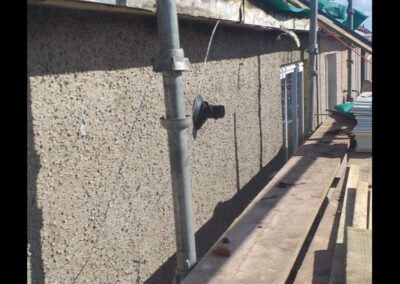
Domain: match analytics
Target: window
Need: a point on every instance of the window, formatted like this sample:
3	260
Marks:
292	107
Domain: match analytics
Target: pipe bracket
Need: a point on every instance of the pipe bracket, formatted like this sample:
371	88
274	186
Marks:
170	60
176	124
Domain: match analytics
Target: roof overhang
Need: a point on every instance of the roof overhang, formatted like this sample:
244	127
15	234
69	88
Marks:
231	12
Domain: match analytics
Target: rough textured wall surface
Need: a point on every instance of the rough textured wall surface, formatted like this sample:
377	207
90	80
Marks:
329	45
99	197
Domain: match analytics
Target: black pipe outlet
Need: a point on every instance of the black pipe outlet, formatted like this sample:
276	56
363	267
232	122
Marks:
202	111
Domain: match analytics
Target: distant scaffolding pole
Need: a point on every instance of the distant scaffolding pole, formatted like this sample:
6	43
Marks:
313	51
350	13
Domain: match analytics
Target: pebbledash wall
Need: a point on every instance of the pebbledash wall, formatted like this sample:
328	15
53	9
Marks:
99	196
329	45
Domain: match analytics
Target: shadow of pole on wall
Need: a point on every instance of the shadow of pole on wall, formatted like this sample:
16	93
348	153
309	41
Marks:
236	153
259	111
35	219
224	214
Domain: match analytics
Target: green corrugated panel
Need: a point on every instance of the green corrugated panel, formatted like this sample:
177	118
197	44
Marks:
339	13
282	6
335	10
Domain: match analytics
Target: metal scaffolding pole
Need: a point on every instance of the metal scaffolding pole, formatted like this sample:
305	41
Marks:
171	62
350	13
313	51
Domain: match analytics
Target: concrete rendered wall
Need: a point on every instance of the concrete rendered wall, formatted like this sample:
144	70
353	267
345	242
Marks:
99	197
329	45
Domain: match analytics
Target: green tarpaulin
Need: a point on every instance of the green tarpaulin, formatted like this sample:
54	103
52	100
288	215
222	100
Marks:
282	6
344	109
339	12
335	10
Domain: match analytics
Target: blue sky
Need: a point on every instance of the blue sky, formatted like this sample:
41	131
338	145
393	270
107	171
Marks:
364	6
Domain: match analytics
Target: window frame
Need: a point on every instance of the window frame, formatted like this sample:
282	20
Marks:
297	119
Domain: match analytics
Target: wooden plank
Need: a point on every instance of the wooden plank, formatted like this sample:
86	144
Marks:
360	218
342	169
340	175
348	201
317	263
266	238
346	218
354	173
364	160
359	256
